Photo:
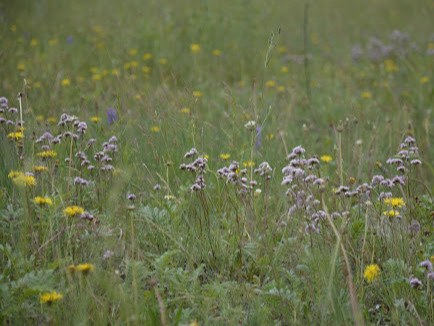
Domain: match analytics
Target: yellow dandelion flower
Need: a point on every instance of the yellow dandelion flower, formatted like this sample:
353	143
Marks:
248	164
185	110
66	82
98	29
146	69
40	118
47	154
134	64
24	180
21	67
372	272
389	65
195	48
73	210
96	77
284	69
50	297
116	72
424	80
94	70
137	96
34	42
391	213
270	83
395	202
147	56
42	201
217	52
53	42
95	119
162	61
281	88
52	120
366	95
269	137
225	156
326	158
37	85
85	268
127	65
197	94
132	51
194	323
378	164
15	135
155	129
39	168
100	45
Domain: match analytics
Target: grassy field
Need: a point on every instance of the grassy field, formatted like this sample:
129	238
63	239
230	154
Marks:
216	162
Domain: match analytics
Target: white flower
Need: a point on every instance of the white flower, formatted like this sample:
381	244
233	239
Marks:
250	125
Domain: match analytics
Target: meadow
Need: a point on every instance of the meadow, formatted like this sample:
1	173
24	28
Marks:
216	162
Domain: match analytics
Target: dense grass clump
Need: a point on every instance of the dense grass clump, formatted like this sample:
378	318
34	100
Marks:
216	162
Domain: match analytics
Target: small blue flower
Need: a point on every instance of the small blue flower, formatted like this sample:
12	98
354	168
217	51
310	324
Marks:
70	39
111	115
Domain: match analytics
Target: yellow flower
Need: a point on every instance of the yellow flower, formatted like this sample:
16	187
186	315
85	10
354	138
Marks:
13	28
13	174
15	135
146	69
391	213
284	69
50	297
147	56
39	168
134	64
395	202
116	72
95	119
168	197
21	67
46	154
24	180
73	210
127	65
42	201
34	42
133	52
269	137
185	110
94	70
194	323
155	129
163	61
217	52
270	83
281	88
85	268
225	156
105	72
52	119
96	77
390	65
249	164
66	82
282	49
52	42
197	94
40	118
37	85
366	95
195	48
137	96
424	80
371	272
326	158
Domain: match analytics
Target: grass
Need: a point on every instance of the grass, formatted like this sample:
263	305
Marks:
308	238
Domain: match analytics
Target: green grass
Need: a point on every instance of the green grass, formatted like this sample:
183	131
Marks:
216	256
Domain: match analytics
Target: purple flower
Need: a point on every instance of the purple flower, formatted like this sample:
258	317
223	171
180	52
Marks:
415	282
131	197
258	137
427	264
70	39
111	115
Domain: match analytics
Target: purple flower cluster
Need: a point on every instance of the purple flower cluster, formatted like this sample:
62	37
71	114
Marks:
233	174
8	113
197	167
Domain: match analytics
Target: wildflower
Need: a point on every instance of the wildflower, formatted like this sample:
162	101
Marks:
415	282
13	174
147	56
70	269
281	88
24	180
111	115
197	94
85	268
42	201
95	119
155	129
217	52
46	154
250	125
163	61
371	273
15	135
131	197
366	95
116	72
13	28
168	197
185	110
53	41
96	77
424	80
34	42
390	65
427	264
248	164
395	202
157	187
195	48
284	69
50	297
73	210
132	52
21	67
391	213
225	156
270	83
326	158
269	137
66	82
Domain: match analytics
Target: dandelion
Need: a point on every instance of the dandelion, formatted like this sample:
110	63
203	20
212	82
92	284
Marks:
96	77
284	69
15	135
146	69
326	158
390	65
371	273
21	67
197	94
163	61
217	52
43	201
282	49
66	82
155	129
185	110
366	95
34	42
195	48
95	119
248	164
47	154
270	83
116	72
395	202
24	180
391	213
85	268
132	52
424	80
73	210
225	156
50	297
147	56
53	42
